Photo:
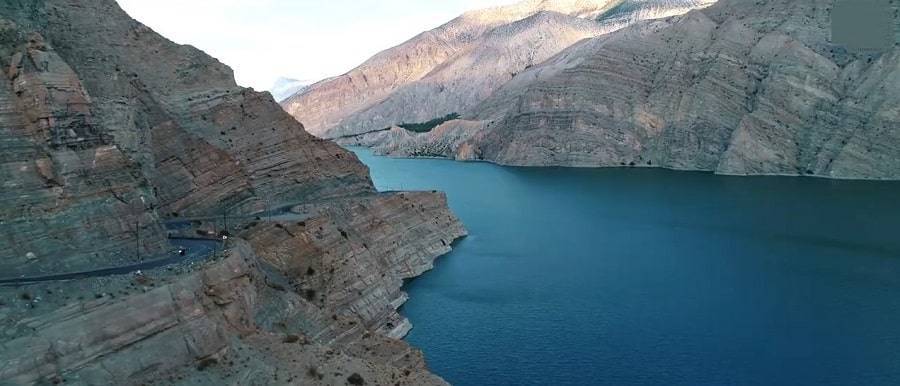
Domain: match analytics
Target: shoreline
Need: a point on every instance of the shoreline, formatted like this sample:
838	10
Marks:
615	167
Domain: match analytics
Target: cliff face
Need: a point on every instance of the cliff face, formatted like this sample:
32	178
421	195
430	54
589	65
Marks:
109	133
301	302
243	141
737	88
65	184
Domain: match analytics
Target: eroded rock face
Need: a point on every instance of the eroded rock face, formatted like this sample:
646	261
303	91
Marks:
454	67
107	133
65	184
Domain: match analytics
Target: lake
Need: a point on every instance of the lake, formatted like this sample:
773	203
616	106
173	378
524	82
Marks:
656	277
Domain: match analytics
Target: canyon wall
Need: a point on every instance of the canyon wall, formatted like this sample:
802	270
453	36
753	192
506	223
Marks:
111	134
736	88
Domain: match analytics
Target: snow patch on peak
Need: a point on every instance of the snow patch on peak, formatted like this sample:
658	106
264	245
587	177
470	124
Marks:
284	88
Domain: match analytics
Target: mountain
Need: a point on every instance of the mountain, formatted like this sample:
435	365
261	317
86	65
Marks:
285	87
452	67
737	88
117	146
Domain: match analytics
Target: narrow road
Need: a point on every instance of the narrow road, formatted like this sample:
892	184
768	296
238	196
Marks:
196	250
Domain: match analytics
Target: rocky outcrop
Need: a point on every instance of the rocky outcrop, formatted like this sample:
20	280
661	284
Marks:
210	327
736	88
351	256
109	134
451	139
452	68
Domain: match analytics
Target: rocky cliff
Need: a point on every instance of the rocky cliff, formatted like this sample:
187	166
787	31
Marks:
110	136
737	88
309	301
454	67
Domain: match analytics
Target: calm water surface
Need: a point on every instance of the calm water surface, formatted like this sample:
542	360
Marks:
652	277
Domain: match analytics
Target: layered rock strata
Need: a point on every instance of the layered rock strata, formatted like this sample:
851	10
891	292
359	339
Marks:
109	135
228	322
65	184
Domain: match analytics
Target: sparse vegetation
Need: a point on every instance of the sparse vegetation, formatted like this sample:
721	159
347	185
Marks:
206	362
425	127
313	372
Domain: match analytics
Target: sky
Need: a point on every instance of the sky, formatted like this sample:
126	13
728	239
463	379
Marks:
301	39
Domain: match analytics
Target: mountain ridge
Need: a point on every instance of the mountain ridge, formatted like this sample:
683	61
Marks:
490	47
737	88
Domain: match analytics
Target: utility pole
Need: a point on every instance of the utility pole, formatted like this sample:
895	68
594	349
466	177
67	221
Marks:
137	233
225	219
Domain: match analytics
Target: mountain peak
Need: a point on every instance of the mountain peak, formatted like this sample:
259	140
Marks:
284	87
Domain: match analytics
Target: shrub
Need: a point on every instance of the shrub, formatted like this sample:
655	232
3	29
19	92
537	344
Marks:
206	362
356	380
314	373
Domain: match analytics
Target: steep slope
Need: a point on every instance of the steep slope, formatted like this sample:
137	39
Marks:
114	139
472	75
736	88
325	104
65	184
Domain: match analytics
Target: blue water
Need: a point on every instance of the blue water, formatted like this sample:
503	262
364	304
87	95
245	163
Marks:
653	277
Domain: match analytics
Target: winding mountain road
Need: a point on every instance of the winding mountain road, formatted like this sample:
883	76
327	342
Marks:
195	250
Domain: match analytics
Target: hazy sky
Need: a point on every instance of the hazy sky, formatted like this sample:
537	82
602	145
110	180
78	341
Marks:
303	39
